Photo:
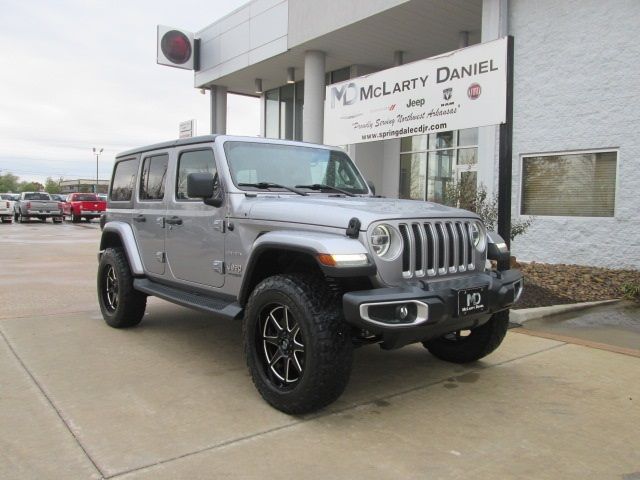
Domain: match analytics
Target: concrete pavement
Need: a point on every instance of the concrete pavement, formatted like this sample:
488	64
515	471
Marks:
172	398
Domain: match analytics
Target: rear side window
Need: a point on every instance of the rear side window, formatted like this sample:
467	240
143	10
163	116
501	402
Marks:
154	172
193	162
124	180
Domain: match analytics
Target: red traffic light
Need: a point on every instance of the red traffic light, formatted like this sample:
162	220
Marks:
176	47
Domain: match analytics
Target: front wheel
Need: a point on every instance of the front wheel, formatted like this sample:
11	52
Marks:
122	306
465	346
297	347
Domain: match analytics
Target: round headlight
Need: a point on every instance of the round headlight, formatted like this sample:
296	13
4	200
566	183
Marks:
381	240
476	233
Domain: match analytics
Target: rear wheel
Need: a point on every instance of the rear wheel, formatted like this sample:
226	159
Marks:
297	347
75	218
122	306
465	346
22	218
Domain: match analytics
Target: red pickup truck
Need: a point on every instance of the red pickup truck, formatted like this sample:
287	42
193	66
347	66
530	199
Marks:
83	205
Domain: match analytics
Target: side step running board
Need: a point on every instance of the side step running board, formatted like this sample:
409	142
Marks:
196	301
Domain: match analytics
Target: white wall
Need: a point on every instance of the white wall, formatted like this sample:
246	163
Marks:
577	86
252	33
329	15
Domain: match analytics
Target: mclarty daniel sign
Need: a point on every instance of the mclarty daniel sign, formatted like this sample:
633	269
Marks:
462	89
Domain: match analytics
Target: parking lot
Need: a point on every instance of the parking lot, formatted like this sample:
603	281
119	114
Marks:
173	399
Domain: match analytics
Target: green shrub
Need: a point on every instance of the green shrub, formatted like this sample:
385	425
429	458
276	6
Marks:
464	194
631	291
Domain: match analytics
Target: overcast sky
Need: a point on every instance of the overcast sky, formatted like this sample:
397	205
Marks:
77	74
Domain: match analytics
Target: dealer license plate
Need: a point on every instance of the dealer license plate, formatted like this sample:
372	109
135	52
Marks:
472	300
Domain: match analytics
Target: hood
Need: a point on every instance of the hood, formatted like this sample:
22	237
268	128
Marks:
337	211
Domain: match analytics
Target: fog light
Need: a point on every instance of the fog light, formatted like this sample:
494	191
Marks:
400	314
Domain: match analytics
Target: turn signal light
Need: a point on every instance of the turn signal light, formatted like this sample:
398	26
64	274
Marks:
343	259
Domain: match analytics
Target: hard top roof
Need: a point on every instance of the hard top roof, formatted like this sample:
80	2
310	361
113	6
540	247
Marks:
212	138
169	144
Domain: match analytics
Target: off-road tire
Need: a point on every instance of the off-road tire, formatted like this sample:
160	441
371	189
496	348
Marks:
328	350
480	342
129	308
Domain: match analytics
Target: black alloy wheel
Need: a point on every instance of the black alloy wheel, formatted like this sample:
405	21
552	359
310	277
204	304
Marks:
121	305
280	340
297	346
110	289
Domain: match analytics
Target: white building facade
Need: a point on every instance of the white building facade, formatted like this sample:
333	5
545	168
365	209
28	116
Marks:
576	147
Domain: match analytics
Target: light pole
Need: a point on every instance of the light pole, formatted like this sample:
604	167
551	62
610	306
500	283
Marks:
97	153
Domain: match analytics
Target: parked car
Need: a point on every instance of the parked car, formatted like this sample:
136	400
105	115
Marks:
7	203
291	239
58	197
83	205
37	205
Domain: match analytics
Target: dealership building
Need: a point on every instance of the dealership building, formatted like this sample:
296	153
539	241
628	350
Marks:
576	104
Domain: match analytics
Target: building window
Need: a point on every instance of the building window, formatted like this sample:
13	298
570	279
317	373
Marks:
283	112
283	107
569	184
430	164
272	113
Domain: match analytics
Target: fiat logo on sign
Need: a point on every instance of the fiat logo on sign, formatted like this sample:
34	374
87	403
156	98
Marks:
474	91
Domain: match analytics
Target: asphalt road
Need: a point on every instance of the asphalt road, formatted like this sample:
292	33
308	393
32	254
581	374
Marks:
173	399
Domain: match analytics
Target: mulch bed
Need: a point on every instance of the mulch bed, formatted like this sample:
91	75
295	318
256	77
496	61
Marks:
547	284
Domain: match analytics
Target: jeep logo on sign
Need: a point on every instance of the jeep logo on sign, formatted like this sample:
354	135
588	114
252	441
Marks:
347	93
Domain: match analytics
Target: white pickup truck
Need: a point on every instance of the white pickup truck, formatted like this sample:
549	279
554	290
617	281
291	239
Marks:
37	205
6	207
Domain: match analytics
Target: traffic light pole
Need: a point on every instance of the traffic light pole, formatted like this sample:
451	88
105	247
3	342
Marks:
505	162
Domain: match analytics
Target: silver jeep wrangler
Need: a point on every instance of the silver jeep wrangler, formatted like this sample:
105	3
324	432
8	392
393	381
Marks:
289	237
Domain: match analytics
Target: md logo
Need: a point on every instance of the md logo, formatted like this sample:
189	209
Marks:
473	299
347	94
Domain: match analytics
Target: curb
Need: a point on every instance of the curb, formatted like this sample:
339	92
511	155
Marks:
524	315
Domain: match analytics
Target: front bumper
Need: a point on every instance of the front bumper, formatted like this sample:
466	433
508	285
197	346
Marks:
436	306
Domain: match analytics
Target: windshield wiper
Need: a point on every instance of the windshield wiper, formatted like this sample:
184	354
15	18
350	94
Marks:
322	186
268	185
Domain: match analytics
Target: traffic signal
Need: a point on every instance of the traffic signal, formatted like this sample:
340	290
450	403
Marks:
177	48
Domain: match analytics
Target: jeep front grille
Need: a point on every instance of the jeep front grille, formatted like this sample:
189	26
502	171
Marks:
437	248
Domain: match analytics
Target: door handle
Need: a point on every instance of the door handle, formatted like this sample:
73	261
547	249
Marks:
139	218
174	221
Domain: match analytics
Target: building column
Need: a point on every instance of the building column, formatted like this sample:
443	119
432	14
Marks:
218	96
494	26
314	85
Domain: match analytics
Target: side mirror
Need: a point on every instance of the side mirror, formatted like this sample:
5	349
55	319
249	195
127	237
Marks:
372	187
202	185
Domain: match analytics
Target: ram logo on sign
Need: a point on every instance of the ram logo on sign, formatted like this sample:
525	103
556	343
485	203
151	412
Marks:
461	89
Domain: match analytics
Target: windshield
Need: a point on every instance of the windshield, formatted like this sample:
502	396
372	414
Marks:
292	165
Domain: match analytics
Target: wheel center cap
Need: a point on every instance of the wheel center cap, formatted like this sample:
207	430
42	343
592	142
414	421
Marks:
285	343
